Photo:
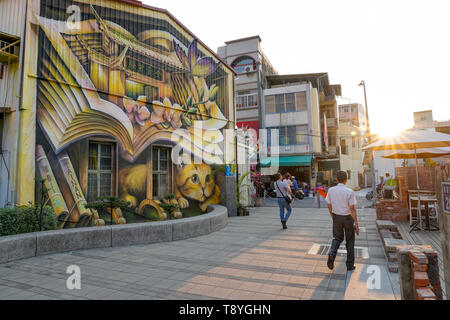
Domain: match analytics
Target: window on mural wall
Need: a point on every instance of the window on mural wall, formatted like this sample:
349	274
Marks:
288	102
245	99
161	172
100	170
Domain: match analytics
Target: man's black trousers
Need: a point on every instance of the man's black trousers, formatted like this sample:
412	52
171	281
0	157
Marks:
343	225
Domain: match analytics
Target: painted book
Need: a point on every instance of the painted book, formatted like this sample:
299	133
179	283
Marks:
88	76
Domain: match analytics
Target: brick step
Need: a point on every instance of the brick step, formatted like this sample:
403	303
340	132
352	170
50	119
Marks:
390	245
386	225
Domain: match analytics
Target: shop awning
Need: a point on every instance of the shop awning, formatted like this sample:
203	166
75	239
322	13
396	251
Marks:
287	161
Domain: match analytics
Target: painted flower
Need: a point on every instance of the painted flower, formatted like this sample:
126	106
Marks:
166	112
200	67
137	110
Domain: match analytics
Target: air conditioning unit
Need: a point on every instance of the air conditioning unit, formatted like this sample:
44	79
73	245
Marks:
250	68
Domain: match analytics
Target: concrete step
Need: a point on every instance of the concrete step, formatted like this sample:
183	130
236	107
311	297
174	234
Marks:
392	267
390	245
386	224
392	257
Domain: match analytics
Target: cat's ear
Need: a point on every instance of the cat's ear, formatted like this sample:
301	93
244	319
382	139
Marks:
184	160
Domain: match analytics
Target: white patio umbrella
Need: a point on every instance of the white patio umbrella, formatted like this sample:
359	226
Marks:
412	139
425	153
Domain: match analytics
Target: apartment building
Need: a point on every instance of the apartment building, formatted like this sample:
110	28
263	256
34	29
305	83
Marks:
252	67
352	128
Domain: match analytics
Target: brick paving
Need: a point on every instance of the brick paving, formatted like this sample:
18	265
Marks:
252	258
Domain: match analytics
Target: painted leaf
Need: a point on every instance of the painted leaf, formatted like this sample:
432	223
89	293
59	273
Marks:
181	55
204	67
192	54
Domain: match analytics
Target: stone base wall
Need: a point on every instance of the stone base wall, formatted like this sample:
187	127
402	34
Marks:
40	243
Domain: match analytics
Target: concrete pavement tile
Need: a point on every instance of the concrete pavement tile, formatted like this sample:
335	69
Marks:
222	293
261	275
250	286
271	288
165	284
243	295
264	296
284	298
201	289
230	283
280	277
292	292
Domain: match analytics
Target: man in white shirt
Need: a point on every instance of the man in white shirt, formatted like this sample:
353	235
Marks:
341	204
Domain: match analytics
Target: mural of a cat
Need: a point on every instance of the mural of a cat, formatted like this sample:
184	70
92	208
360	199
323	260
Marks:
192	182
196	182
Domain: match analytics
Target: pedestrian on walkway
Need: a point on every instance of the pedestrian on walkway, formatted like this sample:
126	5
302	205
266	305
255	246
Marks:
341	204
283	192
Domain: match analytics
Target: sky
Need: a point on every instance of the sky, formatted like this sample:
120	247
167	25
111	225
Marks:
401	49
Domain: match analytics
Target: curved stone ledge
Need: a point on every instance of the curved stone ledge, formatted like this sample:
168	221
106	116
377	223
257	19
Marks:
40	243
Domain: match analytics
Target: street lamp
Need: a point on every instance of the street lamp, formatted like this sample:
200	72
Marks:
368	139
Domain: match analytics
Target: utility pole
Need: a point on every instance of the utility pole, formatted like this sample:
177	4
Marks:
369	141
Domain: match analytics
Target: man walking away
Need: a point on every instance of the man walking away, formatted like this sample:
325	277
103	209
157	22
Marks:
341	204
283	191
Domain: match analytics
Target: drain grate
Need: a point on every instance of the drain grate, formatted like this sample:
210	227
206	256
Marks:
324	249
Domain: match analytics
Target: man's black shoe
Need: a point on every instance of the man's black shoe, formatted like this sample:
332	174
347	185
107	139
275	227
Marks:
284	225
330	262
351	268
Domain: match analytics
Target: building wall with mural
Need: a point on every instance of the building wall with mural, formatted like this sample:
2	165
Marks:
127	102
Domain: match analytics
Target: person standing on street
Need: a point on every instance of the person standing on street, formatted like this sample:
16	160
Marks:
341	204
283	191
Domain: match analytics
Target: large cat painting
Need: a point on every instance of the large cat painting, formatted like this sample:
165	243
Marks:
193	182
196	182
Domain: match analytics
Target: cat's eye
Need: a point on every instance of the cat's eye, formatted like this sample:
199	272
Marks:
195	178
208	178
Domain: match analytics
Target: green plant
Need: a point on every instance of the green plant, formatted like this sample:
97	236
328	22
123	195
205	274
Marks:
25	219
169	208
241	185
110	202
169	197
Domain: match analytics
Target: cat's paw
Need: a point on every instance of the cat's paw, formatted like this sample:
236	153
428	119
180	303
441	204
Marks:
203	206
183	203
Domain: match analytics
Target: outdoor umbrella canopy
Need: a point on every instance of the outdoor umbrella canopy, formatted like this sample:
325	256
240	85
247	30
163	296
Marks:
425	153
412	140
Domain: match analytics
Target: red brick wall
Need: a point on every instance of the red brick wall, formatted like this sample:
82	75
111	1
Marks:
427	177
394	210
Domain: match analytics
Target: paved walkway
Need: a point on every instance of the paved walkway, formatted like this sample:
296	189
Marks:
252	258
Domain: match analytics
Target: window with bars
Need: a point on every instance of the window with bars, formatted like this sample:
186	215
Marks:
246	99
161	172
288	102
290	135
100	170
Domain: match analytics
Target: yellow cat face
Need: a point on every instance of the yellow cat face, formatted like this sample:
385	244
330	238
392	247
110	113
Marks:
195	181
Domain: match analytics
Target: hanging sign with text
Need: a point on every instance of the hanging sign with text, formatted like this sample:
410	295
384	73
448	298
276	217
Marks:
446	196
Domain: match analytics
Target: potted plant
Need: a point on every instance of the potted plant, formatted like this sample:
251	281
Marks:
240	209
256	200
